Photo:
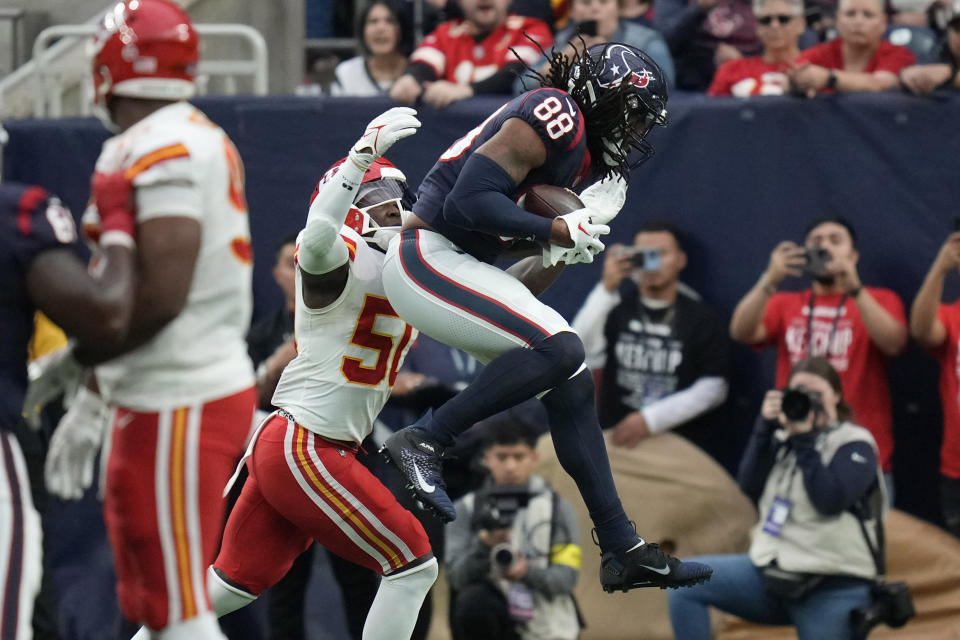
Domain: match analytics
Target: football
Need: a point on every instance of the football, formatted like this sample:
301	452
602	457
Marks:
549	201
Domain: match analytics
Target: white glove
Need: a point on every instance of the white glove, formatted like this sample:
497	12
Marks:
382	133
605	198
55	373
69	468
584	234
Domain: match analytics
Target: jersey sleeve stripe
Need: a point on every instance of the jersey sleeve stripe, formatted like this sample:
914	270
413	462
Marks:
152	158
31	197
581	125
431	57
351	247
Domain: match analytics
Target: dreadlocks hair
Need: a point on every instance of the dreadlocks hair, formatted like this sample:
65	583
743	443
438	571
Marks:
604	116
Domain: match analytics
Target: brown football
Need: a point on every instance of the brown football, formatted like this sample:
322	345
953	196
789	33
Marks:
549	201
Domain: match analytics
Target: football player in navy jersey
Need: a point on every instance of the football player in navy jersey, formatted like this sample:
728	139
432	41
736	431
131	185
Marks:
40	269
588	121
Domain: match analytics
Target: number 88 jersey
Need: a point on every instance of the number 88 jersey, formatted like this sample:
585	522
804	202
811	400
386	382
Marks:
348	353
555	116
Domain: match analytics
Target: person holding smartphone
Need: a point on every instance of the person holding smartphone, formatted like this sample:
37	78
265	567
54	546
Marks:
662	352
936	325
597	22
856	328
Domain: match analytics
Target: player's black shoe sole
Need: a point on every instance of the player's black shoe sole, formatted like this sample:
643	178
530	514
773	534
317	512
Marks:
642	564
418	458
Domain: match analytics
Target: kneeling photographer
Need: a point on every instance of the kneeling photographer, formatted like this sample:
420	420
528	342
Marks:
817	551
512	554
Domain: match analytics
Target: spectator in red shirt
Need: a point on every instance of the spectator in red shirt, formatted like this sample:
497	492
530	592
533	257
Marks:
779	26
462	58
859	59
937	326
924	78
857	328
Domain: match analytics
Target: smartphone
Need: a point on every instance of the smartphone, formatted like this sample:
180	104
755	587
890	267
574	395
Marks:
644	259
587	28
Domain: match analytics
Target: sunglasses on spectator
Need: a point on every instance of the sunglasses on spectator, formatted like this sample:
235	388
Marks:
783	19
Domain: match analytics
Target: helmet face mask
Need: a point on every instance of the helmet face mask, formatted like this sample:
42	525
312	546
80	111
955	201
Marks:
380	204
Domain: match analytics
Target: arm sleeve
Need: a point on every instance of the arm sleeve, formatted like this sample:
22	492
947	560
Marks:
681	407
560	576
468	559
421	72
590	321
40	223
479	201
432	52
500	82
758	459
319	251
835	487
164	181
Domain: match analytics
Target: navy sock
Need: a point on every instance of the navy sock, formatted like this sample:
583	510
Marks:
508	380
578	440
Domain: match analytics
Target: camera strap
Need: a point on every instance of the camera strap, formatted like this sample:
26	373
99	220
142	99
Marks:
859	511
833	326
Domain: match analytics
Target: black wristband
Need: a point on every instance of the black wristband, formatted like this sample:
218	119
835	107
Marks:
832	80
855	292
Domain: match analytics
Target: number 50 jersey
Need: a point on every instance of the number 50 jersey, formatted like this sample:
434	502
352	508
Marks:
348	353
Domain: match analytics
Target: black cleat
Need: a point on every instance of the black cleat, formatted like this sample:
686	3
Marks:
418	458
643	564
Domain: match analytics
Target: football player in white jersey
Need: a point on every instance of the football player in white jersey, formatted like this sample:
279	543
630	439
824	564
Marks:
180	387
305	483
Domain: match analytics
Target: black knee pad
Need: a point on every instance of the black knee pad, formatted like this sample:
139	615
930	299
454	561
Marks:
565	350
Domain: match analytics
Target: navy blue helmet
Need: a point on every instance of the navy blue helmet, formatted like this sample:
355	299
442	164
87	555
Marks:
623	95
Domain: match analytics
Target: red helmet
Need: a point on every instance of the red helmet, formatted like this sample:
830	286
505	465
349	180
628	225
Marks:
383	182
145	49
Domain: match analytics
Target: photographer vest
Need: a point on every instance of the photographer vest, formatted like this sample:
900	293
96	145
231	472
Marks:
554	618
809	541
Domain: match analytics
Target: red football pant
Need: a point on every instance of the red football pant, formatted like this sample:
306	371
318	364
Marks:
304	488
164	508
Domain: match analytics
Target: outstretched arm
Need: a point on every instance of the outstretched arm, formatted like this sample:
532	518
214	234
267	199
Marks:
321	257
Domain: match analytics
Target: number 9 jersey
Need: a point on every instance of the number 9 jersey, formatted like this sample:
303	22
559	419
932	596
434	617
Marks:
348	353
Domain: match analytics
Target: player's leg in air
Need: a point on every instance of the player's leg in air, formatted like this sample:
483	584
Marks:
530	349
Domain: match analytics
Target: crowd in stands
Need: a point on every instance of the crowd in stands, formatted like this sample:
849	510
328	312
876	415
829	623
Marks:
661	356
722	47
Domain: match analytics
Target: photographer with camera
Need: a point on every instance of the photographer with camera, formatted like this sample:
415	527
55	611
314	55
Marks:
512	554
817	549
855	327
663	353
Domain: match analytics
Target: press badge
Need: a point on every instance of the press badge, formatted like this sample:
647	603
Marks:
779	511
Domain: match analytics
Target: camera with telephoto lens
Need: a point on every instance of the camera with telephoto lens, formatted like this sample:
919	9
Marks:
501	558
798	402
496	507
817	259
892	605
